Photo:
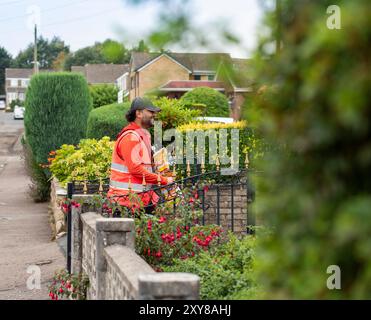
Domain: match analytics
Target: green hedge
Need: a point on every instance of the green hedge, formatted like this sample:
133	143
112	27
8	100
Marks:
107	121
103	94
58	106
226	272
216	103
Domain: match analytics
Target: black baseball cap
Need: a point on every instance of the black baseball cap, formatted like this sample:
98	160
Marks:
143	103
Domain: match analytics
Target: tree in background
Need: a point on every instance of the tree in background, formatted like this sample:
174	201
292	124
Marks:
141	47
91	54
5	62
47	52
115	52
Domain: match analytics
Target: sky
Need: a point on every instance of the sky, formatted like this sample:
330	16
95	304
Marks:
80	23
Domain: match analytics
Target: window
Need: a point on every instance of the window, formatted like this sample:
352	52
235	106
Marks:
13	82
210	77
11	96
21	96
197	77
132	83
25	82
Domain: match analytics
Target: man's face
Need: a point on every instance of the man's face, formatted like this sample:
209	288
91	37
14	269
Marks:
147	118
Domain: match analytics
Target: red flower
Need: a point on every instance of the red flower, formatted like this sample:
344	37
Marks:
149	225
206	189
149	252
191	200
158	254
75	204
60	290
162	219
196	195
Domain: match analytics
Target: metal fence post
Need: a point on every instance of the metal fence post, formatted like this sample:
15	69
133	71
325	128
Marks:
69	226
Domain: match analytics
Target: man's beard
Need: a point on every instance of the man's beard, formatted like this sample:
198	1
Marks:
148	122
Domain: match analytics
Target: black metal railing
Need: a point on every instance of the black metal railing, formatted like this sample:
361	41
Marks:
220	186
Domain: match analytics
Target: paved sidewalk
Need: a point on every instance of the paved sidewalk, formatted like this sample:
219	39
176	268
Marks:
25	235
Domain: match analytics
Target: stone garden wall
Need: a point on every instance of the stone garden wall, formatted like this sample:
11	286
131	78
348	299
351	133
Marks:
103	249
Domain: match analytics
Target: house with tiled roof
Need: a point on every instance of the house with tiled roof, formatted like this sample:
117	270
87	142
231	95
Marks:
101	73
16	82
173	74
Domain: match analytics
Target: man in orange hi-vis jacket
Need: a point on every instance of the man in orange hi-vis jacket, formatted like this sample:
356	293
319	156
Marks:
132	167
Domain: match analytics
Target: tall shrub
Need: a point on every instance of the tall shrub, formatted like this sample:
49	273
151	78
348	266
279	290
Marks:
107	120
58	106
216	103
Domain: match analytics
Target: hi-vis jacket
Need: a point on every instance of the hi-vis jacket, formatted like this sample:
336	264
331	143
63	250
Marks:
131	165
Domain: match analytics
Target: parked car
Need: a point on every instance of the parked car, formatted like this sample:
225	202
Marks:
216	119
2	105
18	112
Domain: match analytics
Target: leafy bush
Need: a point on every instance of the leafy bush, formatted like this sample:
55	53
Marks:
107	120
316	190
40	186
226	270
90	160
14	103
216	103
58	106
68	286
248	141
103	94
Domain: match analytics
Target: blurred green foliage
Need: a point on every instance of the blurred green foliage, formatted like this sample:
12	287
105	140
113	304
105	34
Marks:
315	193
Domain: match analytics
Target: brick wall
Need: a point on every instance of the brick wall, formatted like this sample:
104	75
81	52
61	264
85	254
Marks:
233	212
157	74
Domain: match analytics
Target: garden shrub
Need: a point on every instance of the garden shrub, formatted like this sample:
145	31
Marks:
58	106
226	271
103	94
107	121
16	102
173	112
90	160
316	191
216	103
248	141
40	186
